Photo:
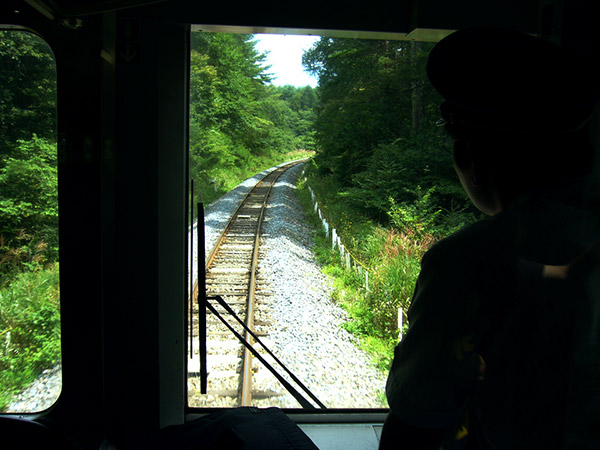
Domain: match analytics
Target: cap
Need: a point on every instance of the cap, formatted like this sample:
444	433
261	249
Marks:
511	81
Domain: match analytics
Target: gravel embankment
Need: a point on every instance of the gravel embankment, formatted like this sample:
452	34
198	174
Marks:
305	331
306	328
41	394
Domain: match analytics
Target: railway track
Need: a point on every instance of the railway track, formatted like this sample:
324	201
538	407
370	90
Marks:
234	379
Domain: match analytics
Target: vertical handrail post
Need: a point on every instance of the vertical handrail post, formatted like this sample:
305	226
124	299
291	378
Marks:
202	300
191	270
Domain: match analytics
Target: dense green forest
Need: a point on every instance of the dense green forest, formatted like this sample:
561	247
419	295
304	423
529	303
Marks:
29	286
240	124
376	125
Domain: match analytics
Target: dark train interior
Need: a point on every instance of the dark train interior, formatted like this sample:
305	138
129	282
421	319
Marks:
122	115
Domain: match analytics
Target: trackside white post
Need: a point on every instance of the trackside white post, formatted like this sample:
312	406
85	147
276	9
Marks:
400	323
346	258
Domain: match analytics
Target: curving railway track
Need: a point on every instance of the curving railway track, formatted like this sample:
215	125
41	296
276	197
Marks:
233	288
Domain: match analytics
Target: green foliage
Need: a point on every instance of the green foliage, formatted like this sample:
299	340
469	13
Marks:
27	89
396	168
239	124
419	217
29	282
28	175
226	85
376	130
28	185
391	254
28	206
298	114
367	90
29	329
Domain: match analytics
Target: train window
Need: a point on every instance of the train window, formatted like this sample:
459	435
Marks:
356	181
30	370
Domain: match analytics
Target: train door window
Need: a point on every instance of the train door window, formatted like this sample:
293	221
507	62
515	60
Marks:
342	232
30	373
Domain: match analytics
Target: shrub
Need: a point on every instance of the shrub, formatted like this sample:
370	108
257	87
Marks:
391	251
29	329
28	207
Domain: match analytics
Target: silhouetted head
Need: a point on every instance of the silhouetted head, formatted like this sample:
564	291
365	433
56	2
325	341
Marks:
518	109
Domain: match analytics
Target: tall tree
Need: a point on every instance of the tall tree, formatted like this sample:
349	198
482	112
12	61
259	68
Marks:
299	104
27	89
363	88
418	108
375	126
227	84
236	116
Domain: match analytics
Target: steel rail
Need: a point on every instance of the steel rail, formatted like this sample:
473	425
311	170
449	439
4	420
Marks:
246	393
211	256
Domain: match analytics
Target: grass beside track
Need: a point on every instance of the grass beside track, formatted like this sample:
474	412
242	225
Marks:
392	258
224	179
29	329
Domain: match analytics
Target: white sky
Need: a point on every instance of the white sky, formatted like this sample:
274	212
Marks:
285	57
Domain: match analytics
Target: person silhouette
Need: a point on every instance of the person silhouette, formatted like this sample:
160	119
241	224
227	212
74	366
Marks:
503	345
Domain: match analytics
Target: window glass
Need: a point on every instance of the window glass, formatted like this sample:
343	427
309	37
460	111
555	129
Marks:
344	233
30	370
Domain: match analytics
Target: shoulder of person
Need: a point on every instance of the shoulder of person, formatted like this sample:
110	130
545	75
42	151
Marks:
476	241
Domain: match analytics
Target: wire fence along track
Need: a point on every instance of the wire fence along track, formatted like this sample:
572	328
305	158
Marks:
231	274
349	261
